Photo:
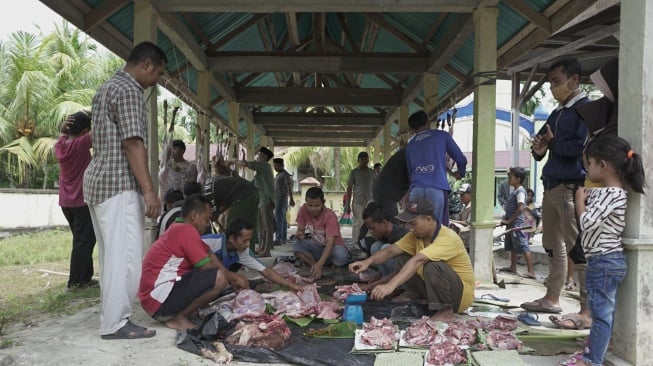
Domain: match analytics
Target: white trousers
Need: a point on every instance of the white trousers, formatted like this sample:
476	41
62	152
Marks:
119	224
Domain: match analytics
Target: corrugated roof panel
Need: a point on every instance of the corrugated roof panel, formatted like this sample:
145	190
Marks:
387	42
509	23
248	40
415	25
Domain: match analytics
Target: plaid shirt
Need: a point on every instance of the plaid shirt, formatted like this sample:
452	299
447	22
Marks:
118	114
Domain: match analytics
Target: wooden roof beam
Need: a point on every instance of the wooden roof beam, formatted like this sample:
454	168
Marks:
530	14
309	63
378	20
317	6
102	12
308	133
332	119
238	30
566	49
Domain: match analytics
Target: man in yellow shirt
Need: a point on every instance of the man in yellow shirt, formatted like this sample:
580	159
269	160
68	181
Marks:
431	262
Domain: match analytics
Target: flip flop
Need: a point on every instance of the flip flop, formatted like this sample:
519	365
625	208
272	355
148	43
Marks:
528	275
529	318
130	331
541	306
495	298
507	269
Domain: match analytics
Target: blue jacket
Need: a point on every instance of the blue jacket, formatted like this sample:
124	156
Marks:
426	156
565	161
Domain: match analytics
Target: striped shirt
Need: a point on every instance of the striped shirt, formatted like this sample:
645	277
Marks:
118	114
603	221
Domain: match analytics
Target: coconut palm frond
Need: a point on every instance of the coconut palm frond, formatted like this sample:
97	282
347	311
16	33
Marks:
43	149
22	150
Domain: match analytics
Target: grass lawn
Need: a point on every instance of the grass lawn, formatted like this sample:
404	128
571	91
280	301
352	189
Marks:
29	291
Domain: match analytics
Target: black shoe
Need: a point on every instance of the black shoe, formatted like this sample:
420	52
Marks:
84	285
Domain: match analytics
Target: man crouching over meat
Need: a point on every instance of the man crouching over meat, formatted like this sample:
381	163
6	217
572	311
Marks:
431	263
180	272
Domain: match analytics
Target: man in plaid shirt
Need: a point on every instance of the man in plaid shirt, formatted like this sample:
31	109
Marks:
118	187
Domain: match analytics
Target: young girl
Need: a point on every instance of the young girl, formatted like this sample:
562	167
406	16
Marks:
610	161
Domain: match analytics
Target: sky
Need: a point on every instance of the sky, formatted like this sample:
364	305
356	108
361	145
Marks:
27	15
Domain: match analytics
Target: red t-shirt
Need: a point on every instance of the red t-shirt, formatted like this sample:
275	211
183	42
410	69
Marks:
176	252
74	156
321	227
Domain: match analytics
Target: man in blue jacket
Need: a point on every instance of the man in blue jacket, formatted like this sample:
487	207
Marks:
562	137
426	157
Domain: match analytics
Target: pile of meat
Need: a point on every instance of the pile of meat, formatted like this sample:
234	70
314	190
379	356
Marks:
247	304
446	353
265	331
380	333
288	271
342	292
423	333
448	346
305	302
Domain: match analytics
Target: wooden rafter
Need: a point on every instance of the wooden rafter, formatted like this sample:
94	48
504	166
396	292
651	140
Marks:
533	16
378	20
102	12
197	30
434	28
238	30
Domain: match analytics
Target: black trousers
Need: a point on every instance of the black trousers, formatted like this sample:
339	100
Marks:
81	256
441	286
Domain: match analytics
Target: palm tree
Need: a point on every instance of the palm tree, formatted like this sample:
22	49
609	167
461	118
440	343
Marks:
333	163
43	79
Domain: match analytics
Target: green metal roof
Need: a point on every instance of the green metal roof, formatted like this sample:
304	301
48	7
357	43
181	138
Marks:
249	31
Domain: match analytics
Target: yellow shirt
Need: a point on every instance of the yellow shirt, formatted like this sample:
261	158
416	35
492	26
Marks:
447	247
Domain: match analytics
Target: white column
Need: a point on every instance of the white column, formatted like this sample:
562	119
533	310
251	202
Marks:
485	62
633	325
145	29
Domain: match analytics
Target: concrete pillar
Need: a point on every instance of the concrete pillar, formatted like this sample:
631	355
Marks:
203	121
515	102
377	151
403	118
234	118
485	61
633	323
387	141
431	92
251	147
145	29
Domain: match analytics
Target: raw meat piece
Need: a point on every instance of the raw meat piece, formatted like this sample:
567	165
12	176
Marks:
286	303
422	332
290	272
266	331
329	310
446	353
498	339
505	323
379	332
247	304
342	292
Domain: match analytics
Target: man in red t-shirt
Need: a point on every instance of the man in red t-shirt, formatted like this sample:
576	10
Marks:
180	272
326	243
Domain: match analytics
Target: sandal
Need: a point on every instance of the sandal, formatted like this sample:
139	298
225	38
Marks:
575	359
507	269
130	331
541	306
571	321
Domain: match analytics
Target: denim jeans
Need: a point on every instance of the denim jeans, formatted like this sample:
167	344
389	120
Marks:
604	274
437	198
280	224
388	266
